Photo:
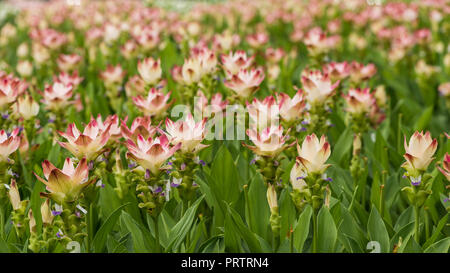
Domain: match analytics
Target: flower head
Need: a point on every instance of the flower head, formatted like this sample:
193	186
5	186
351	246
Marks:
263	113
151	153
67	184
445	170
246	82
155	104
150	70
419	153
26	107
88	144
8	144
359	101
57	96
291	108
140	126
234	62
113	75
188	132
318	86
313	154
270	142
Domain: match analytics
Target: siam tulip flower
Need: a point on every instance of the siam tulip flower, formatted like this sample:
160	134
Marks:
135	86
24	68
188	132
52	39
14	195
360	72
272	198
68	62
207	59
26	107
317	41
66	185
40	54
257	40
191	71
312	155
140	126
113	75
359	101
129	49
263	113
57	95
233	63
318	86
8	144
46	212
274	55
445	170
68	79
88	144
291	109
270	142
151	153
177	74
148	38
111	124
206	108
246	82
10	88
155	104
337	71
226	41
150	70
419	153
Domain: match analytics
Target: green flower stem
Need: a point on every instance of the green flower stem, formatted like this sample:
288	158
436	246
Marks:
314	243
417	223
158	246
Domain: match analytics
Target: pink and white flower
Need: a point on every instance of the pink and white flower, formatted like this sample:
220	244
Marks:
312	155
26	107
187	132
419	153
318	86
111	124
263	113
246	82
155	104
269	142
337	71
66	185
151	153
8	144
88	144
150	70
113	75
234	62
57	96
291	108
68	79
359	101
68	62
445	170
140	126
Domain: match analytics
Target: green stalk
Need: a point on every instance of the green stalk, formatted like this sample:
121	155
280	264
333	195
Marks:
314	246
416	224
2	221
158	246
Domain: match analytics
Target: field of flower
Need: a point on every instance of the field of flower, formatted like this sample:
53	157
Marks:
230	126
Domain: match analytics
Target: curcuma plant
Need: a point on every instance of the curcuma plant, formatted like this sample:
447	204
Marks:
285	126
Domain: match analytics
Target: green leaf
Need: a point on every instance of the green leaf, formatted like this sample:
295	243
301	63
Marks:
258	209
142	240
424	119
301	229
181	229
437	232
244	232
102	234
377	230
343	145
327	232
441	246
